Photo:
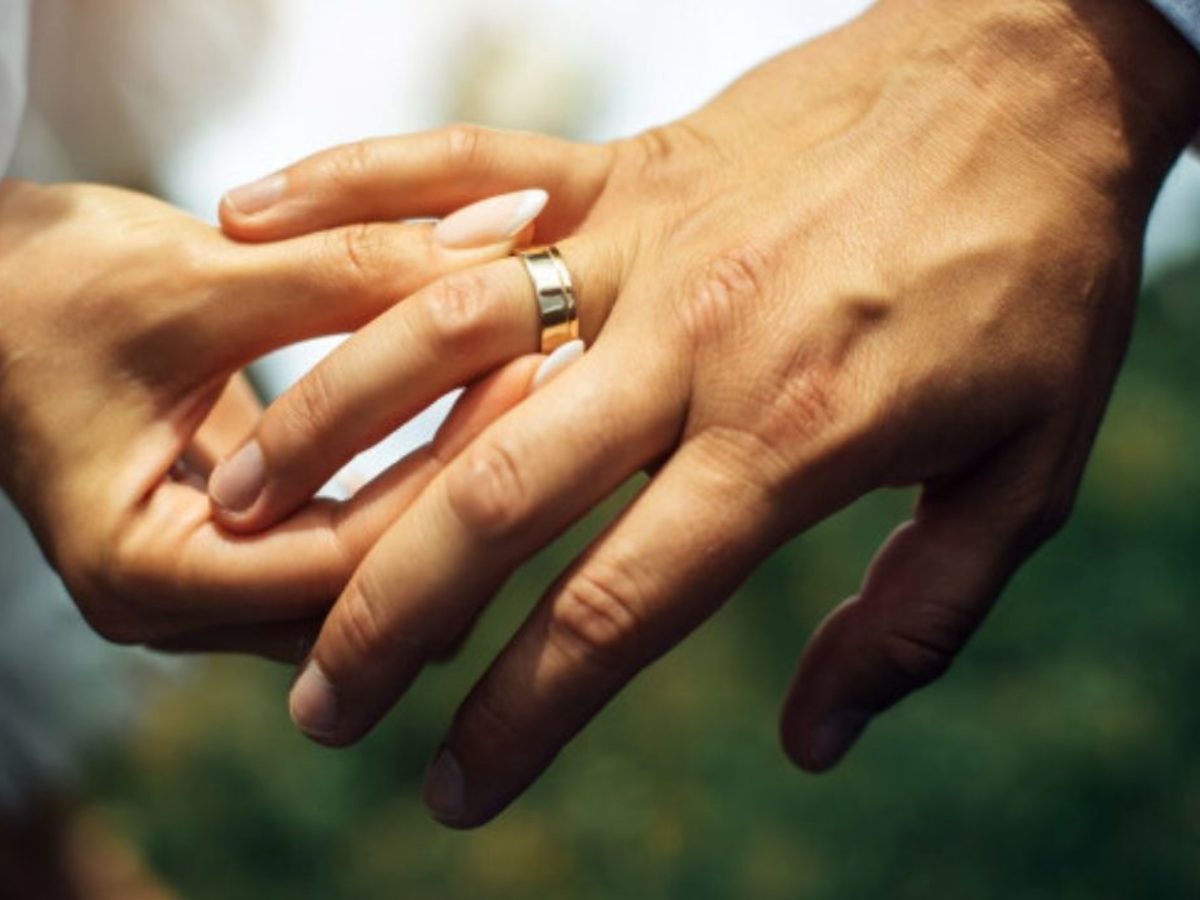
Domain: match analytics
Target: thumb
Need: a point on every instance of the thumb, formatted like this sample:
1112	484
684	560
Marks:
927	591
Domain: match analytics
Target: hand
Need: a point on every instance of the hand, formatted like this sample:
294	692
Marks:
123	322
905	254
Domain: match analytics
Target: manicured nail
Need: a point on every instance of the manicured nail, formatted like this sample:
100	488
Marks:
237	482
444	789
555	363
490	221
257	195
834	736
313	703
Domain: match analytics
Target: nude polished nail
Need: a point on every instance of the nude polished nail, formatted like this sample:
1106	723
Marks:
554	364
490	221
257	196
236	483
312	703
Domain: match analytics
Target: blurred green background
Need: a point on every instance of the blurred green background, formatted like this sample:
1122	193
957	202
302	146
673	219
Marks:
1061	757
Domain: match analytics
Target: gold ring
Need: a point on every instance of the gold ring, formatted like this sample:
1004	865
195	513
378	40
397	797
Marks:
555	294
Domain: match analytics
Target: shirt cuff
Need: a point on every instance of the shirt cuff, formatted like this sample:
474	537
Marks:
1184	15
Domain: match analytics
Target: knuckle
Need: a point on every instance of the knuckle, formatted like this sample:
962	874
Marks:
668	160
464	146
804	408
648	160
487	492
361	625
655	148
309	408
489	718
1035	505
348	167
913	661
360	250
597	615
714	301
457	313
919	647
739	464
802	417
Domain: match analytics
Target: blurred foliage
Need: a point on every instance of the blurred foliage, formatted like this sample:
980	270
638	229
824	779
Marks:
1059	759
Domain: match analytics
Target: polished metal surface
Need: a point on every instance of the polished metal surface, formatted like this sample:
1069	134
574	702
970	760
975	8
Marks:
555	293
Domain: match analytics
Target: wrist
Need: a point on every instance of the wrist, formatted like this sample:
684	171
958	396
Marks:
1099	97
1108	84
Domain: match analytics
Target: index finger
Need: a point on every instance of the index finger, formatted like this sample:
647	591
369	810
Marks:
426	174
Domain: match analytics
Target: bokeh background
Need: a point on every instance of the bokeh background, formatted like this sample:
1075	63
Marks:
1061	758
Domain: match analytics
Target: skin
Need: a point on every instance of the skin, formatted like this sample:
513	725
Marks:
904	254
125	323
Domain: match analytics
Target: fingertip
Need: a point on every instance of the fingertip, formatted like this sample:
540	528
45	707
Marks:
233	223
791	736
463	823
823	715
313	703
317	709
502	219
820	747
245	212
556	363
244	498
445	788
524	237
262	229
447	795
237	482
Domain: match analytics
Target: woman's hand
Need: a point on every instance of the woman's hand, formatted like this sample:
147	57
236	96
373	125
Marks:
905	254
122	322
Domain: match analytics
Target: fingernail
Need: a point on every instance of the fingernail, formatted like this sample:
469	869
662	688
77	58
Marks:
490	221
313	703
257	195
236	483
444	787
555	363
832	738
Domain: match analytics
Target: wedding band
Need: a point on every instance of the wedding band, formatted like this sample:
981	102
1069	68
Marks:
555	295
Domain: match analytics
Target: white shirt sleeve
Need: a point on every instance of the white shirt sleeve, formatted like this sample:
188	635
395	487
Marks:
1185	14
14	40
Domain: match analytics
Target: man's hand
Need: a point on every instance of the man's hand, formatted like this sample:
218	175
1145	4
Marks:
905	254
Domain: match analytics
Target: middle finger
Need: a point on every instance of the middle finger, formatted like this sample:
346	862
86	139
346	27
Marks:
518	486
